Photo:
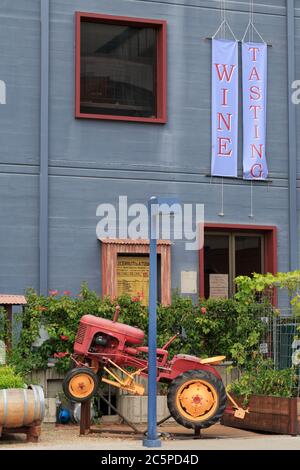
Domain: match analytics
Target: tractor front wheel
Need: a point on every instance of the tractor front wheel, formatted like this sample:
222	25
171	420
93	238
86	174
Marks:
197	399
80	384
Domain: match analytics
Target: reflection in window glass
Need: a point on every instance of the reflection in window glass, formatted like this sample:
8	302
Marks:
248	255
118	70
216	258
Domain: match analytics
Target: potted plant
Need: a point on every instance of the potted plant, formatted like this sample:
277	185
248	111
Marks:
270	397
10	379
21	407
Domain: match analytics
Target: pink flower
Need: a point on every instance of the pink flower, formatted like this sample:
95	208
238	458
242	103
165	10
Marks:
203	310
67	292
135	299
64	338
53	292
42	309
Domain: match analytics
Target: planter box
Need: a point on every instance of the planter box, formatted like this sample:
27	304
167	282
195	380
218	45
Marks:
135	408
269	414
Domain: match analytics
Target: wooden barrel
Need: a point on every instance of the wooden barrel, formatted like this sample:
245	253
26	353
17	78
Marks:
21	407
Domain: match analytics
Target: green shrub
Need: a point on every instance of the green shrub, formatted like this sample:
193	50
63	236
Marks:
10	379
260	378
3	324
213	327
263	284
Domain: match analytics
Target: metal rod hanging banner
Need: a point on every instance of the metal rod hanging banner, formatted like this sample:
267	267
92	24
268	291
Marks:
250	29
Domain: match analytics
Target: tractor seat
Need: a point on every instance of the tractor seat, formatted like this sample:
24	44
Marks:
209	360
119	330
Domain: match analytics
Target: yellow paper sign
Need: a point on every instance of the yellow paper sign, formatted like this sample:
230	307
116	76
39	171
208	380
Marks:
133	277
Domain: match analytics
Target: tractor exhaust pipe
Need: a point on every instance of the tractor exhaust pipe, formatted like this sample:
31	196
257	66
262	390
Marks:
117	312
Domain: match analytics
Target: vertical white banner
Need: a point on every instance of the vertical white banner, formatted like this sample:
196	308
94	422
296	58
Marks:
255	56
225	93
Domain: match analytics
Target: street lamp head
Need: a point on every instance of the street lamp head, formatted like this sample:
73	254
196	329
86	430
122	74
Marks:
153	200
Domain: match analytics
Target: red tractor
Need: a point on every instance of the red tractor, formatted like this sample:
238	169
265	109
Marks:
113	353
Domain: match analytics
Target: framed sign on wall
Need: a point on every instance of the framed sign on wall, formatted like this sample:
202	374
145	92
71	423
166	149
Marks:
123	270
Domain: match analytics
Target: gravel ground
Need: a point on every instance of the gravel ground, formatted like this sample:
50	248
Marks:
174	437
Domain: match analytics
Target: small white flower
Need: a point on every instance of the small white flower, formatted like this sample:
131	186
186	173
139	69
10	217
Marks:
296	358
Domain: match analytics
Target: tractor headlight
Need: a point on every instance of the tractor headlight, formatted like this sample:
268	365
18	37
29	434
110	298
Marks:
100	340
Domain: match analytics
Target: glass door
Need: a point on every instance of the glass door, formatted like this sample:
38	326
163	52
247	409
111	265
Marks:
227	256
248	255
217	261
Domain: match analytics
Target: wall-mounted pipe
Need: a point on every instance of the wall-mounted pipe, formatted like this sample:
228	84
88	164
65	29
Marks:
44	151
293	216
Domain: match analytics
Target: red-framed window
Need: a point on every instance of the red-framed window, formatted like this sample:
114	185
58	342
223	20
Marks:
121	68
231	250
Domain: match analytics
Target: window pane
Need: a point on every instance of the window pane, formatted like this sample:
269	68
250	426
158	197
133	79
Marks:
216	258
118	70
248	256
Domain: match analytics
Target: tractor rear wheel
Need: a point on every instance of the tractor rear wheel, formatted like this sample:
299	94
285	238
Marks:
80	384
197	399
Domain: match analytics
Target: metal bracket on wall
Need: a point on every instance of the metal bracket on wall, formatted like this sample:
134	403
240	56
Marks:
211	38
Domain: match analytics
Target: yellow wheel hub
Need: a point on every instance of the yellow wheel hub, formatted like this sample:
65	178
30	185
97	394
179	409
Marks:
81	385
197	400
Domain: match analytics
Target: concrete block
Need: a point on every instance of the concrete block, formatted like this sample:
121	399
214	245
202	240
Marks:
135	409
50	410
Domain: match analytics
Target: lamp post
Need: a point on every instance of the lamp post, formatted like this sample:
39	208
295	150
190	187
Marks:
152	439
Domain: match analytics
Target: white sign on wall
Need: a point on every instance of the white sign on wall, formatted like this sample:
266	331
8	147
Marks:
2	92
263	348
189	282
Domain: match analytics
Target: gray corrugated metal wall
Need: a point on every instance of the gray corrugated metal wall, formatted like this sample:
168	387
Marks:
19	141
91	162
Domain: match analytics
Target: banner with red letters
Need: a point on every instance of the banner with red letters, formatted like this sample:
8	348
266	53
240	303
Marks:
254	110
225	108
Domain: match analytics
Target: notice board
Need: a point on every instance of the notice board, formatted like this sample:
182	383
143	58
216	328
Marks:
133	277
218	286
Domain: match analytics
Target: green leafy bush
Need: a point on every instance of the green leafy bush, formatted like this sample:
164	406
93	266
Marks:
260	378
212	327
3	324
262	284
10	379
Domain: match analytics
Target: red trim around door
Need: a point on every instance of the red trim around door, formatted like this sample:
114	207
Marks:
161	90
270	233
